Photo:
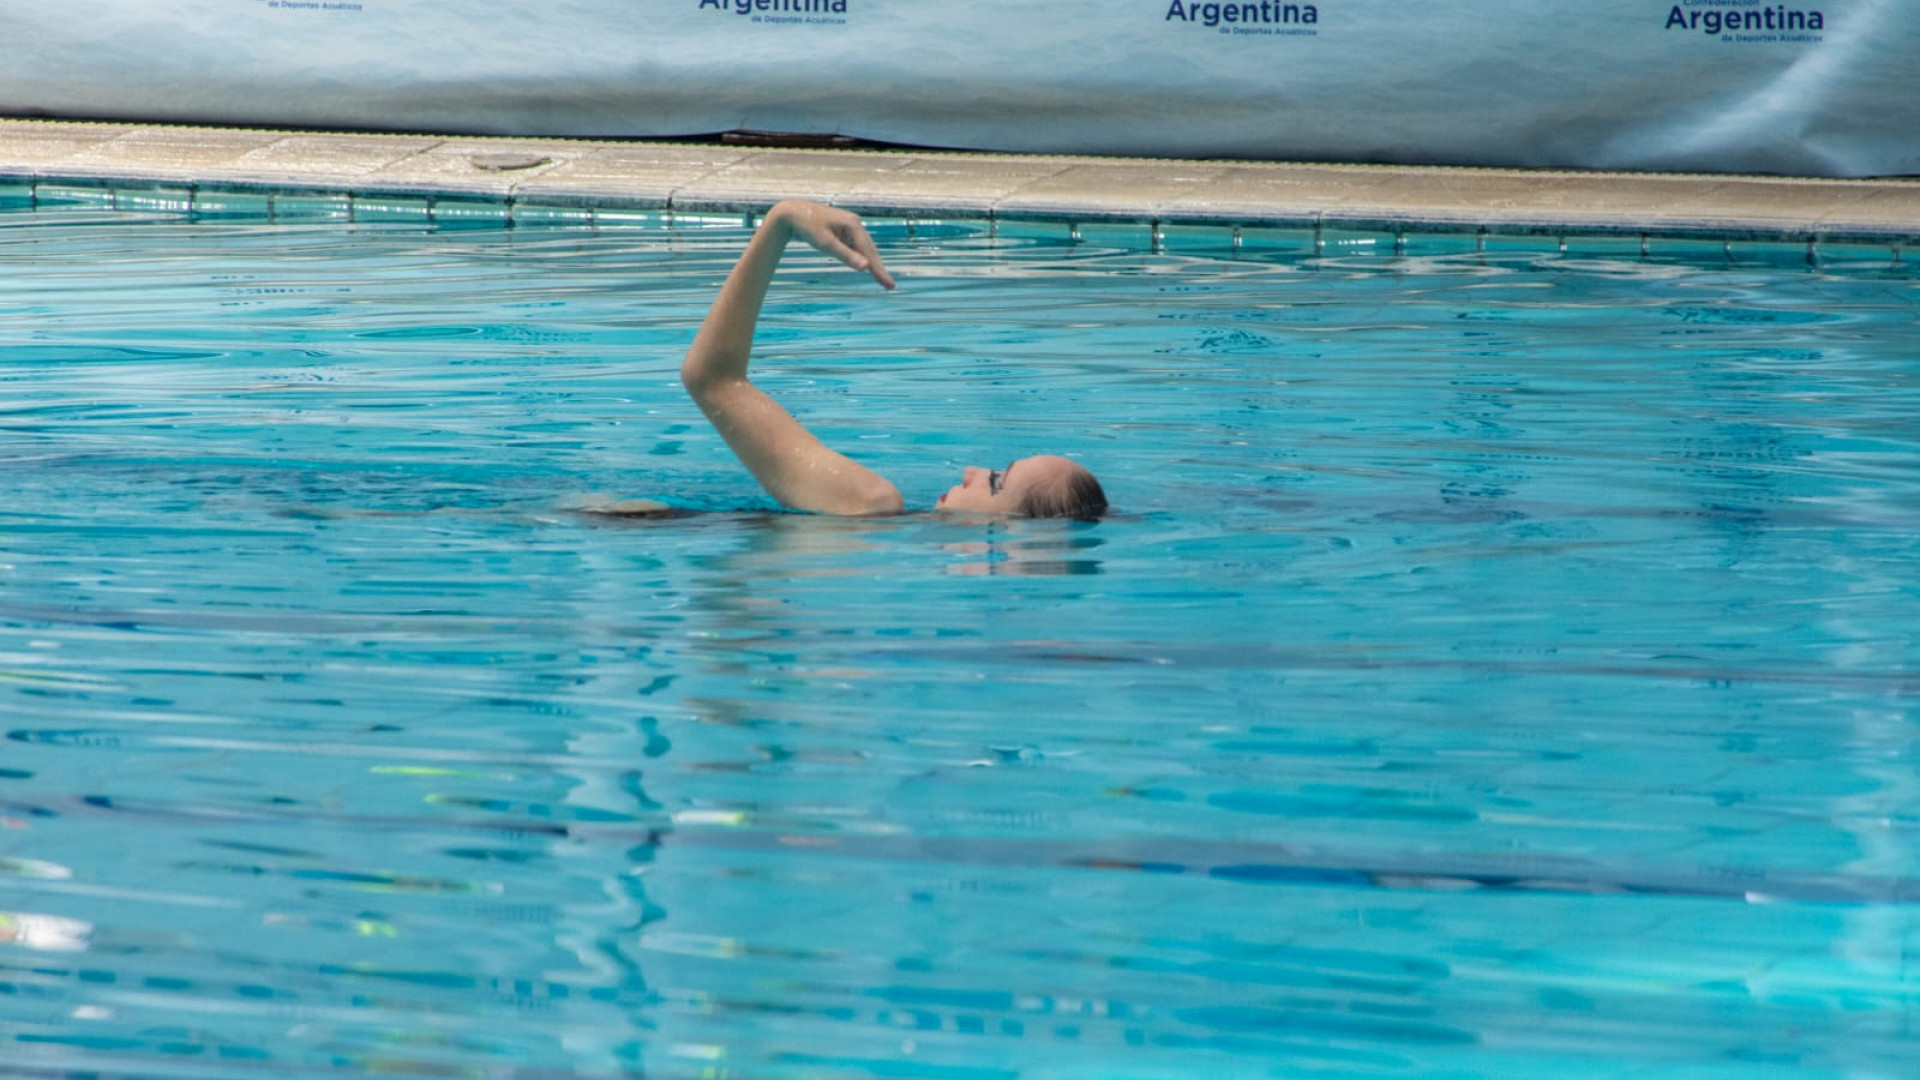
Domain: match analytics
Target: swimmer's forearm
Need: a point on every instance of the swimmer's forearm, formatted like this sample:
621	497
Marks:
721	350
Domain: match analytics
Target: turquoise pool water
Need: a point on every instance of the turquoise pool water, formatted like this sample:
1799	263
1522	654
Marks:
1503	663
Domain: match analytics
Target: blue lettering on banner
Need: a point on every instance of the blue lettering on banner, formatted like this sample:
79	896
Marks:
1752	23
1265	17
783	11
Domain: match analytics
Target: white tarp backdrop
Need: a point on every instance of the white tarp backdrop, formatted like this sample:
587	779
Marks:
1809	87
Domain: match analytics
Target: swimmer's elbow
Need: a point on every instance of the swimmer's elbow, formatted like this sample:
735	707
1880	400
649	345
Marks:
696	377
884	501
872	497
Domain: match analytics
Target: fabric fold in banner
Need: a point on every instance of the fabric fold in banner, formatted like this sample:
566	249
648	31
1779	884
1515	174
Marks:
1809	87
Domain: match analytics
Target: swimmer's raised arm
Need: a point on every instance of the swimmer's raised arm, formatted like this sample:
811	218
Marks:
790	463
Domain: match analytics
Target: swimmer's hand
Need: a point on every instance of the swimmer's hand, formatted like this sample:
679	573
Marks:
834	232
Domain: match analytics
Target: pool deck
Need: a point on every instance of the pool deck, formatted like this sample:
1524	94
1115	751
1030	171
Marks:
720	177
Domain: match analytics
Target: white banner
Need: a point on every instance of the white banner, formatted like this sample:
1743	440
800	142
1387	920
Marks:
1807	87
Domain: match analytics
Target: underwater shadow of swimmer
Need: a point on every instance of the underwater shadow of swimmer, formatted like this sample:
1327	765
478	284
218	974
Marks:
1052	553
599	506
1056	554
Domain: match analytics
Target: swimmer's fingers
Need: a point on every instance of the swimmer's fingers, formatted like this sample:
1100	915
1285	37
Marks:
865	250
847	240
837	233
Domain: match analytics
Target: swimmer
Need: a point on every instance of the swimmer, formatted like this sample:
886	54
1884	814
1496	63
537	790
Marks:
794	467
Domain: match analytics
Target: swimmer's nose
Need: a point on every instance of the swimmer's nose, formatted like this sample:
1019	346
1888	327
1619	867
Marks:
970	474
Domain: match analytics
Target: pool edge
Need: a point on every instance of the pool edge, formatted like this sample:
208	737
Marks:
683	177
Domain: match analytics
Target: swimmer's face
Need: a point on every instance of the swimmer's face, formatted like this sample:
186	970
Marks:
1003	491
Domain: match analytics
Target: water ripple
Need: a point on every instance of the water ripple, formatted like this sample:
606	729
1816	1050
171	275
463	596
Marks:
1465	615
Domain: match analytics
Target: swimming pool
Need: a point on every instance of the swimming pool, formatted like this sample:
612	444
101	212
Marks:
1501	663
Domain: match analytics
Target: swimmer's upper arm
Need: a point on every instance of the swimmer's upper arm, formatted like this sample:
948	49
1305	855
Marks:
794	466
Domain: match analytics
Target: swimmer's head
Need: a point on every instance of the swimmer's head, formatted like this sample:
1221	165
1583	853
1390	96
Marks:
1039	486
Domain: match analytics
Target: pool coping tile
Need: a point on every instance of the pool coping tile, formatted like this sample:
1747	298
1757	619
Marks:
137	153
722	177
958	187
302	157
757	180
629	178
1110	190
31	146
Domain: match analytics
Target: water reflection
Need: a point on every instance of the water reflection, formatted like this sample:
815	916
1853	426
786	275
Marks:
775	948
46	933
1051	550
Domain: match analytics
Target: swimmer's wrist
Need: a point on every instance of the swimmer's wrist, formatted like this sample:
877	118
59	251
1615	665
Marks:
784	215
